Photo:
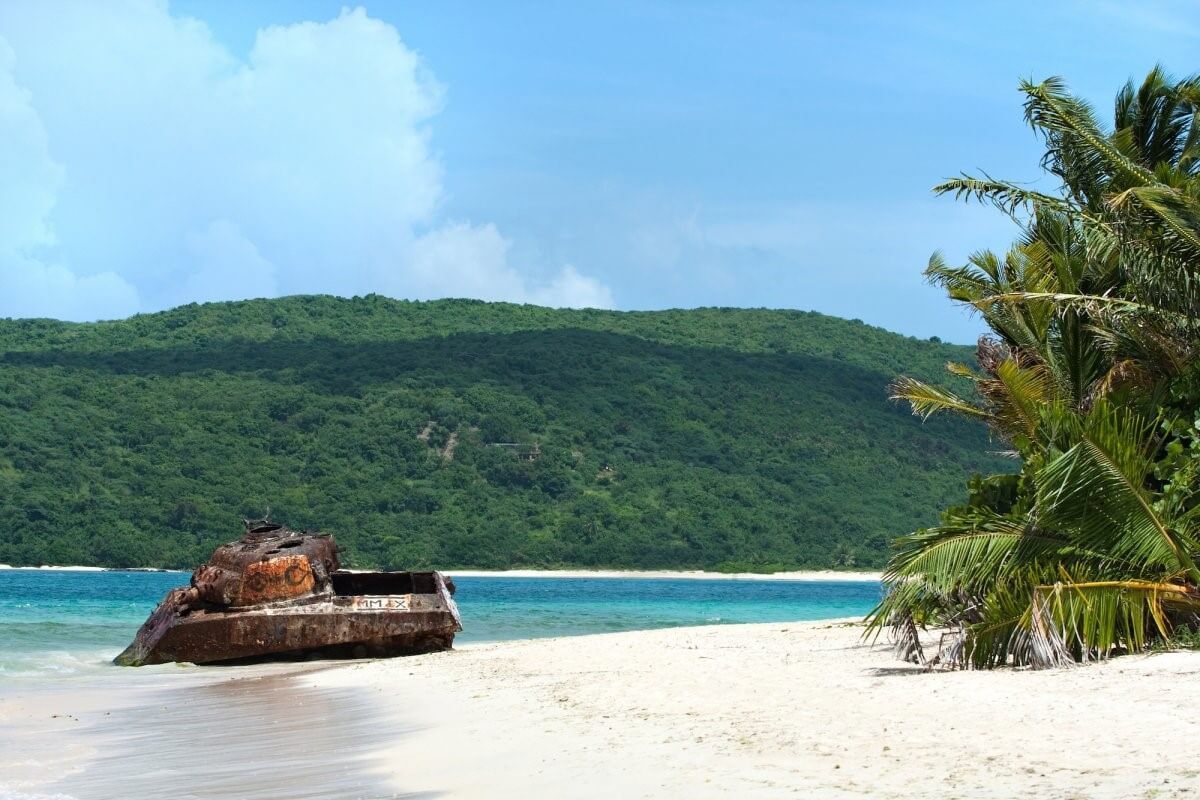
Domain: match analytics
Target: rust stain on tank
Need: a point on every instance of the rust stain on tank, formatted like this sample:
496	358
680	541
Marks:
280	578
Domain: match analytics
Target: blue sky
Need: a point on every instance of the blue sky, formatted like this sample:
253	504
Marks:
629	155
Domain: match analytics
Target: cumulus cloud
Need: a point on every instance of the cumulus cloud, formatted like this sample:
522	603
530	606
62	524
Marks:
31	176
223	257
27	196
150	167
464	255
570	289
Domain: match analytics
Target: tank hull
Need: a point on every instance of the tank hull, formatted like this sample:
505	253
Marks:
337	625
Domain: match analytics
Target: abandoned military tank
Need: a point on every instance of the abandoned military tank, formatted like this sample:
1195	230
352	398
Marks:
281	593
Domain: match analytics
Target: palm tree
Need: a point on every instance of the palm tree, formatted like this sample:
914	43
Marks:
1089	380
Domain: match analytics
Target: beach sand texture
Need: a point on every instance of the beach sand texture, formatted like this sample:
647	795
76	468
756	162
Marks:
769	710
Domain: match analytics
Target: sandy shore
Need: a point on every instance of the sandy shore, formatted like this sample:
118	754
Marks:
799	575
774	710
791	710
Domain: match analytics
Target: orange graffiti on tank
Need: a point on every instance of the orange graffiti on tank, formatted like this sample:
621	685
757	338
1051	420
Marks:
280	578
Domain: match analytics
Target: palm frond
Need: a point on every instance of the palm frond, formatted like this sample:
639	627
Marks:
1049	108
1095	492
1018	395
1006	196
1081	621
927	400
1179	214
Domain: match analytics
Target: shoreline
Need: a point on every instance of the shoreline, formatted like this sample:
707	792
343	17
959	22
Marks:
816	575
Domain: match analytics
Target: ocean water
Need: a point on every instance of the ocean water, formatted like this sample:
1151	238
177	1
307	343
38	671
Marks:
54	625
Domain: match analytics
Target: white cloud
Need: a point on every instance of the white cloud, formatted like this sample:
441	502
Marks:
30	286
31	176
460	255
152	163
569	289
223	257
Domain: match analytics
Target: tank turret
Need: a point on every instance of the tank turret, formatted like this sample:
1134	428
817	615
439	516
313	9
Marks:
270	563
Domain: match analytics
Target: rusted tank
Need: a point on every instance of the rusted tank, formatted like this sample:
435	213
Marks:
280	593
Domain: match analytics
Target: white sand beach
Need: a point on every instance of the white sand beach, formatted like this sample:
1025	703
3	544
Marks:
795	575
51	568
791	710
772	710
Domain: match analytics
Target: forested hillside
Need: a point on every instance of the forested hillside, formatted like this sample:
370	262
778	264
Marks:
716	438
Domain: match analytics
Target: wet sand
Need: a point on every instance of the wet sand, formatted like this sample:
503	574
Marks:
770	710
200	734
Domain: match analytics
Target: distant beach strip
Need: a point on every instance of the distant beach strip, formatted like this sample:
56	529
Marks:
796	575
799	575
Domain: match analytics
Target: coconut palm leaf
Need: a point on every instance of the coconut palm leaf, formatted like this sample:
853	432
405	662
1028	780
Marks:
1081	621
1002	634
1008	197
973	553
1018	395
1085	302
1051	109
1178	213
927	400
948	557
1154	120
1095	492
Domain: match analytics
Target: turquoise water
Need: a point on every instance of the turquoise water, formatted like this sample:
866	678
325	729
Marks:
59	623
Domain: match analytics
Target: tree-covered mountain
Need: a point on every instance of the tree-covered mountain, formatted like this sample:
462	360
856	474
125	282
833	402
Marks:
717	438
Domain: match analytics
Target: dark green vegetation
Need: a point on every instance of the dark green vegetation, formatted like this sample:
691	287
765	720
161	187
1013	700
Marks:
732	439
1093	379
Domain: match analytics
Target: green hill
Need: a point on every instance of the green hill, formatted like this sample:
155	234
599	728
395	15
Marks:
719	438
